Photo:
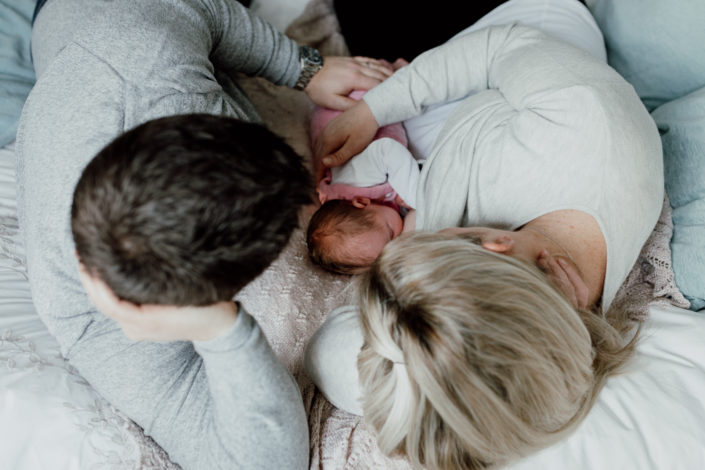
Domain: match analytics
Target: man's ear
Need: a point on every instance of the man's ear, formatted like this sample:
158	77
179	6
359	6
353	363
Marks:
361	202
499	244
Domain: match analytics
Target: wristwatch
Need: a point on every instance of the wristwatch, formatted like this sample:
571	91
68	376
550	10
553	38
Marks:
311	62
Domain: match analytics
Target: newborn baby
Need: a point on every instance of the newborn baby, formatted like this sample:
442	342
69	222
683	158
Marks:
365	203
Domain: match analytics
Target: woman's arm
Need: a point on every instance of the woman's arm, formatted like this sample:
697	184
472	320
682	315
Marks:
521	62
504	58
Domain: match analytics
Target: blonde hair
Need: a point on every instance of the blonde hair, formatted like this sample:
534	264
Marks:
472	359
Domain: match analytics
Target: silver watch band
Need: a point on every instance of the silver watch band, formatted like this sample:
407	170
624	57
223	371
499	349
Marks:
311	62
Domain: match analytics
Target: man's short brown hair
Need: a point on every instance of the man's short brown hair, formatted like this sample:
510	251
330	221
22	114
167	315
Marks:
186	210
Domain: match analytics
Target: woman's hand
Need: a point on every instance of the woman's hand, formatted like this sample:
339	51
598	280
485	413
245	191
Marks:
344	137
160	322
566	277
339	76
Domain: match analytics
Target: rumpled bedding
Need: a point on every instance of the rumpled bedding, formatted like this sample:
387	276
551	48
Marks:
291	299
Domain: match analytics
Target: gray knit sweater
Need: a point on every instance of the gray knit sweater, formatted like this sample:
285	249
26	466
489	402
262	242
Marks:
105	67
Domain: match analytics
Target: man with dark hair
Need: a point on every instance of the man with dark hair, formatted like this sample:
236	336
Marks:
165	215
183	204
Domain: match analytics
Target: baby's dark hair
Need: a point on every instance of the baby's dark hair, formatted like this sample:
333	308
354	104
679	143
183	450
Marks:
186	210
332	221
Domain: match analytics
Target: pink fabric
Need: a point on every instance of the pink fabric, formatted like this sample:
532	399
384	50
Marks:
328	191
382	192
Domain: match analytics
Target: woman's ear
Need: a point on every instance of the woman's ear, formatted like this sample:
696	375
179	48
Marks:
361	202
499	244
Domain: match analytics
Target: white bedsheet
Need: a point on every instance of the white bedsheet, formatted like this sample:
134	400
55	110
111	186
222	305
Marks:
652	416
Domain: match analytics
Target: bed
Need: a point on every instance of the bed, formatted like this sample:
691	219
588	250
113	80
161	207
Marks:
650	417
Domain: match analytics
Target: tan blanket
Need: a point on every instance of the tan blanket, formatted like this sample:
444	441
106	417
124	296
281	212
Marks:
292	298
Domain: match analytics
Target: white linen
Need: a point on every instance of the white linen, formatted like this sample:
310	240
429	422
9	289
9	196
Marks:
650	417
280	13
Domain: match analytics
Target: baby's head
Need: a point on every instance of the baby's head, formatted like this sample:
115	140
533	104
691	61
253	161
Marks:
346	237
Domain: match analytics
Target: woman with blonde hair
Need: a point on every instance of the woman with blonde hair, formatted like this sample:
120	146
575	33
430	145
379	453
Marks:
486	341
455	376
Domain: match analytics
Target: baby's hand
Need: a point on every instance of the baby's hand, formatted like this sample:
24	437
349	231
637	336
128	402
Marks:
400	202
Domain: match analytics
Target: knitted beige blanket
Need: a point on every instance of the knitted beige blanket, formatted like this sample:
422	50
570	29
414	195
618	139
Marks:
292	298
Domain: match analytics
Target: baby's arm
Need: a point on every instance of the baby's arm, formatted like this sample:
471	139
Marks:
383	160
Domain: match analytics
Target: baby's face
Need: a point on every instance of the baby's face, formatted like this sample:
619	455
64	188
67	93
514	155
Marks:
368	245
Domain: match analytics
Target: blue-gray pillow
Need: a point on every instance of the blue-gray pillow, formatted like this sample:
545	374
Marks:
682	126
657	45
16	70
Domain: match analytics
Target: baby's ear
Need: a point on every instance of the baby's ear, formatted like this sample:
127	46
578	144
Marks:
361	202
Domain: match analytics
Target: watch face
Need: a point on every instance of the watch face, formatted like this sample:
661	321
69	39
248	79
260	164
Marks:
311	55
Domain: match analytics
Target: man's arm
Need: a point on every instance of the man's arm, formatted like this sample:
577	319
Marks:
204	383
218	404
245	43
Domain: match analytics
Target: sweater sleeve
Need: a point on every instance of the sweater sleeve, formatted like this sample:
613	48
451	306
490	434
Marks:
489	58
219	404
256	414
399	165
243	42
384	160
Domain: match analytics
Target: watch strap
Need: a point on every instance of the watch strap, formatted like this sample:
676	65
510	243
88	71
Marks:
311	63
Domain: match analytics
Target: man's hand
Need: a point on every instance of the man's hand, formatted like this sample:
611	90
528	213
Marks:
160	322
344	137
339	76
566	277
